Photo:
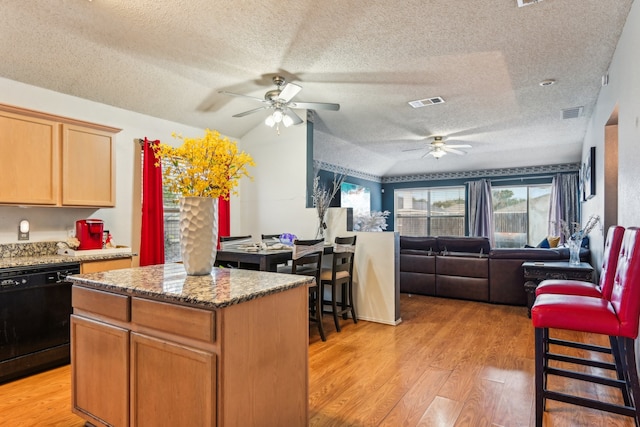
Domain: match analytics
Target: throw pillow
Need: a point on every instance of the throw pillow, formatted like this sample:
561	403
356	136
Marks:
544	244
553	241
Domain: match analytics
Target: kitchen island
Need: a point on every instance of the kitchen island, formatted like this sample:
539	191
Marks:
151	346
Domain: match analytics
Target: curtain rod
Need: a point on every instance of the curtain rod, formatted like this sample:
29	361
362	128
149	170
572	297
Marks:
521	178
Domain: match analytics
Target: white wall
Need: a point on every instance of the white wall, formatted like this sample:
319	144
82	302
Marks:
52	223
624	91
376	278
274	201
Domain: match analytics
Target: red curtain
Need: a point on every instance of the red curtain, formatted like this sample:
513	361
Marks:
224	218
152	236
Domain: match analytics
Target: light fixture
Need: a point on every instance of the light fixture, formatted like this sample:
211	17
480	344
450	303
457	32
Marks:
438	152
277	117
287	121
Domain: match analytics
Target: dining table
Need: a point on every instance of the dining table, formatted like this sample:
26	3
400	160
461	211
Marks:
262	259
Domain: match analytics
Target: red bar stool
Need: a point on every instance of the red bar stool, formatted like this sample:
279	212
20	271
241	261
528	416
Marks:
617	317
600	290
603	288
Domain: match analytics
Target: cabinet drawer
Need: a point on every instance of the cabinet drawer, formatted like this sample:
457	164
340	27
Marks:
184	321
103	303
106	265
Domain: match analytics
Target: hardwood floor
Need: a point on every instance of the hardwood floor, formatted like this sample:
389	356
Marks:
449	363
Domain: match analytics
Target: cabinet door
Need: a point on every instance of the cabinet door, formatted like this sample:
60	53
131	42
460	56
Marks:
29	160
88	167
171	384
100	371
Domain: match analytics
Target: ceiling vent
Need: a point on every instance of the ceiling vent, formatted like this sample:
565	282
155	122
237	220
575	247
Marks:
427	101
572	113
522	3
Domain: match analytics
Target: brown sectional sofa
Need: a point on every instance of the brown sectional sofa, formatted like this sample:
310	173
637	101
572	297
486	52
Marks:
467	268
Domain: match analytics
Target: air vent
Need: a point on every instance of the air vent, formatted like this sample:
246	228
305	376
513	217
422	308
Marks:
572	113
522	3
427	101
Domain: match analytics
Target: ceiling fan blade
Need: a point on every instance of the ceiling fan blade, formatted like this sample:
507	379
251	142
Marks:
289	91
244	96
448	149
458	146
246	113
413	149
315	105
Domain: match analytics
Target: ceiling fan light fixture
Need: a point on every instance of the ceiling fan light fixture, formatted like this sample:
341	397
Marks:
277	115
438	153
287	121
269	121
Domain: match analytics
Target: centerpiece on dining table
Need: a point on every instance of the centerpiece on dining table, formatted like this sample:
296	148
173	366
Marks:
201	170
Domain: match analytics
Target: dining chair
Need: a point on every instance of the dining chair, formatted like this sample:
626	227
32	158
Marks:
228	242
307	260
339	278
270	238
617	316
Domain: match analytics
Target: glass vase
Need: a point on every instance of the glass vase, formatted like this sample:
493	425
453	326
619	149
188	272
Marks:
574	251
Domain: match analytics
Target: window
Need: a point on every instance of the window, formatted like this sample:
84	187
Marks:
430	211
520	215
171	223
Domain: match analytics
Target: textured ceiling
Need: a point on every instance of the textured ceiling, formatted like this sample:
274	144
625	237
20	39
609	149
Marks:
169	59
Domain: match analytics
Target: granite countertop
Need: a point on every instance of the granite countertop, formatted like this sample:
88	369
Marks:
26	261
169	283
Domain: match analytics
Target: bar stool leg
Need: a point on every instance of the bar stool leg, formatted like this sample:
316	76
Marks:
540	373
618	360
334	304
632	374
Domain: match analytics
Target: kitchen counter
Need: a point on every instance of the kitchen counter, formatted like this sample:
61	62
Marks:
169	283
226	349
40	253
26	261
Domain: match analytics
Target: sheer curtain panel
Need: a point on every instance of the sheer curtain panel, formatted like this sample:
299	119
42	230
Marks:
564	202
481	209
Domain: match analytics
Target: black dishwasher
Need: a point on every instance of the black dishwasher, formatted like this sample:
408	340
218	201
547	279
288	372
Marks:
35	309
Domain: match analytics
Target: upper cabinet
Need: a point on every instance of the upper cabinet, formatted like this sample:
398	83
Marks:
50	160
29	160
88	167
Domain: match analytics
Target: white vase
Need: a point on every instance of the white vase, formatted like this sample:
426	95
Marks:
198	234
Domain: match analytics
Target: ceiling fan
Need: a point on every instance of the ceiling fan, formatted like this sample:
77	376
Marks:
438	148
280	101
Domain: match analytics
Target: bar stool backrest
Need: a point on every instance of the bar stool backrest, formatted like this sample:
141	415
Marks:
228	242
307	253
610	259
625	295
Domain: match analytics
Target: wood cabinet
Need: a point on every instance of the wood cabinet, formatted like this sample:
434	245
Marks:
50	160
104	265
171	384
100	355
88	167
29	160
238	365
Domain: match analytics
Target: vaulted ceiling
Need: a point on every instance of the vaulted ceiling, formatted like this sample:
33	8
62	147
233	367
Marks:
485	58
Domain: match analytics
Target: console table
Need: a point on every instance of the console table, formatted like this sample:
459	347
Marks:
536	272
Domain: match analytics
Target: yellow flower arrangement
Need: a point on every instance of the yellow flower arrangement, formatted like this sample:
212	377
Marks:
209	166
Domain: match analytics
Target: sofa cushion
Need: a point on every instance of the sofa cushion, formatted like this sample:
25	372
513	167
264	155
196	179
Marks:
537	254
419	243
464	244
417	263
462	266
